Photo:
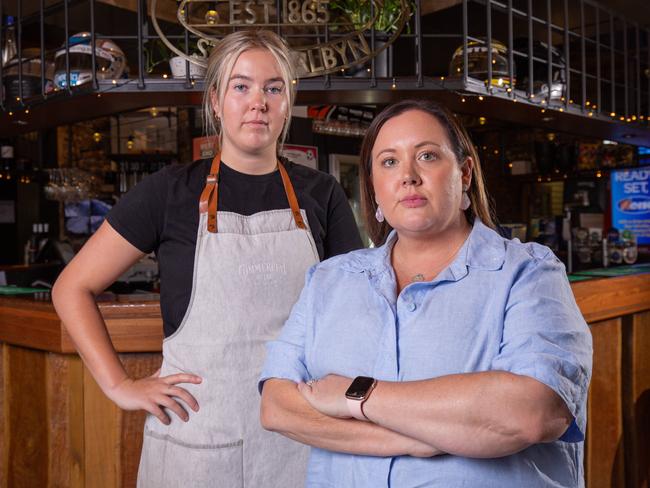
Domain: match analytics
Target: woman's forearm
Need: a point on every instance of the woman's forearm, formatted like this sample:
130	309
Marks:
488	414
284	410
98	264
83	321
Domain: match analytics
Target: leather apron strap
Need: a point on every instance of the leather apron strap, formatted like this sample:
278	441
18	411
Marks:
210	195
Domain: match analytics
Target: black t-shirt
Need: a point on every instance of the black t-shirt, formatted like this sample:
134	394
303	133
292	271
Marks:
161	214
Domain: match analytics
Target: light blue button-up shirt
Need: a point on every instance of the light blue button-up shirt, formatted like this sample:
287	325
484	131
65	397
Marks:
500	305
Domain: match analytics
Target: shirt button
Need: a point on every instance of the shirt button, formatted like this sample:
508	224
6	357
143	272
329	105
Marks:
411	306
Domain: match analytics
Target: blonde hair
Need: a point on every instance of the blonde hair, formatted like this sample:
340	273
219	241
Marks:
222	61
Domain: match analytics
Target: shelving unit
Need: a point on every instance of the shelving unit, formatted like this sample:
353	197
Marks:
607	60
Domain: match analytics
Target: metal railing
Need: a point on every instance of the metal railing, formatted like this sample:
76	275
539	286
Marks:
609	79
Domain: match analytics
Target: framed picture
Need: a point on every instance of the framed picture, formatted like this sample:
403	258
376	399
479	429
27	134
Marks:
345	168
305	155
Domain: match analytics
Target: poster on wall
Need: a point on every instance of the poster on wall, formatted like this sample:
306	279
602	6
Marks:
631	202
203	148
644	155
305	155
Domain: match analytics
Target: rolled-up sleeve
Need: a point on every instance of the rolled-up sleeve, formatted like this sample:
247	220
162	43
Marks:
546	338
285	358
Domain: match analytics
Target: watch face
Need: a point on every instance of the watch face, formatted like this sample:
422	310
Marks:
359	387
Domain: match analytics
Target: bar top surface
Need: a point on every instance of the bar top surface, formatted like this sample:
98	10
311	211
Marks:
135	324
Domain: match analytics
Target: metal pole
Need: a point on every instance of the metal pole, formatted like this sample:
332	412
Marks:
19	42
549	57
530	48
488	20
511	60
612	64
638	70
418	40
598	68
567	50
141	47
328	79
625	79
2	98
583	55
465	29
93	55
187	49
66	31
373	74
42	32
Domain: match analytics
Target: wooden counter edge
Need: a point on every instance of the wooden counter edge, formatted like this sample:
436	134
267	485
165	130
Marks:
133	327
137	326
606	298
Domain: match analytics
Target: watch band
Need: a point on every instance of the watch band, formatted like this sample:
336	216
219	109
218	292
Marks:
355	405
356	410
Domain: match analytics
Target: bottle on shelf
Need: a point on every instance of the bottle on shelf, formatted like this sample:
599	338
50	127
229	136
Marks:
9	50
6	159
31	246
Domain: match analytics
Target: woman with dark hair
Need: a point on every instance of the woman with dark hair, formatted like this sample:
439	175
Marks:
447	356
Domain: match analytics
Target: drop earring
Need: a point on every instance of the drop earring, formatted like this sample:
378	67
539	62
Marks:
464	200
379	215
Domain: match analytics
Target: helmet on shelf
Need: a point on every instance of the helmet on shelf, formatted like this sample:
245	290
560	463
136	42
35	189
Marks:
110	62
540	70
477	62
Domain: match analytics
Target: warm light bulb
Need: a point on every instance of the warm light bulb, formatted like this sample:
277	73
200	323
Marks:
211	17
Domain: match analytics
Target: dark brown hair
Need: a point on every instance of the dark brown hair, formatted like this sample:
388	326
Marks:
461	145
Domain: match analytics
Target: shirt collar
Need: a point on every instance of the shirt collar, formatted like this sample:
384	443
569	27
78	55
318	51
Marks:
483	249
486	248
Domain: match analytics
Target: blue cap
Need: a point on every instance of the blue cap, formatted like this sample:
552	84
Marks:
11	20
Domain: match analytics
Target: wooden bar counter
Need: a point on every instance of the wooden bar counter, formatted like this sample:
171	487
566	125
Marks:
57	429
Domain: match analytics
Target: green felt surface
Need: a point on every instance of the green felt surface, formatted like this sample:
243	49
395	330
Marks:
573	278
17	290
616	270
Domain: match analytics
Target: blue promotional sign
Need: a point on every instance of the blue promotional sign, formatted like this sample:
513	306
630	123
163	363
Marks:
644	155
631	202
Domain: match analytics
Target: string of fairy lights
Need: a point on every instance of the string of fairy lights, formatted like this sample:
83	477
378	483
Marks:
504	91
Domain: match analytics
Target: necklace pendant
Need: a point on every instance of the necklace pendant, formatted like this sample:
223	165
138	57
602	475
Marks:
417	277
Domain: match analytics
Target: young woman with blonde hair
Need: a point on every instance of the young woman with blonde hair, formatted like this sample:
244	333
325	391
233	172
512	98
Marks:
234	237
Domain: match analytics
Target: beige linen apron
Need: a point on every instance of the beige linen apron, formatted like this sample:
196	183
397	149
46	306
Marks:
247	276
